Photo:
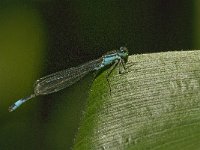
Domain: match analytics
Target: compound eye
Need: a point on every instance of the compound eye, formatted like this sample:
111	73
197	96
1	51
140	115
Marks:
123	49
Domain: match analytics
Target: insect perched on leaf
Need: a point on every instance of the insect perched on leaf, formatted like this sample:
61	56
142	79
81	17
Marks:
65	78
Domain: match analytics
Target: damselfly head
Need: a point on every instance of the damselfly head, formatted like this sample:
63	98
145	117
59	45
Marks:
123	50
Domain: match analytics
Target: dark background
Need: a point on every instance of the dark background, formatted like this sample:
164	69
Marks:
41	37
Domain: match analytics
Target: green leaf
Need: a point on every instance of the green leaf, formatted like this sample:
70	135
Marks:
155	105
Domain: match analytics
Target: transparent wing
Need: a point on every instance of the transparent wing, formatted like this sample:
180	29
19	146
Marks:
62	79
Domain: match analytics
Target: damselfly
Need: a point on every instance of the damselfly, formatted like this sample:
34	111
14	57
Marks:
62	79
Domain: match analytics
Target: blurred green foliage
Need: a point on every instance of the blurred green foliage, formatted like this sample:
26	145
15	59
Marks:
22	49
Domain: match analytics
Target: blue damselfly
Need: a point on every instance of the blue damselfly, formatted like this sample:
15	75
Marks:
62	79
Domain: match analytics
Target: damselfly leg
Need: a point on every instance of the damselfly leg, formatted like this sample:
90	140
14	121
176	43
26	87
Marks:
122	63
119	63
109	73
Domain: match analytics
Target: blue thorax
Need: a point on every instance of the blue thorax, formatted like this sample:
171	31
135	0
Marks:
109	59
